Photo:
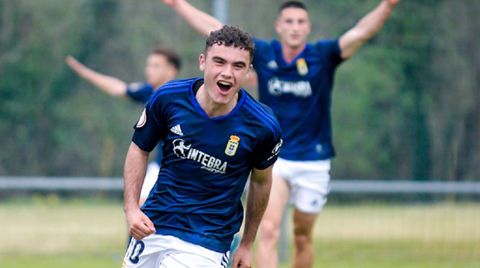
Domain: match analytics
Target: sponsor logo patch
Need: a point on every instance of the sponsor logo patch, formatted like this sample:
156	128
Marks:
276	149
277	87
207	162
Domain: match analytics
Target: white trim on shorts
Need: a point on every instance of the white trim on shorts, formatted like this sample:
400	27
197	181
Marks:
309	182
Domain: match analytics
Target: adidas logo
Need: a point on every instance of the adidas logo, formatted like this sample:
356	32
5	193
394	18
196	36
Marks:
272	65
177	130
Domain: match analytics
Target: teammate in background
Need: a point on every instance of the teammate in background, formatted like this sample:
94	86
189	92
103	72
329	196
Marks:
215	134
162	65
295	78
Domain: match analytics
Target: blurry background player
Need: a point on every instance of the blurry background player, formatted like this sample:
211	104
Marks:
215	135
295	79
162	65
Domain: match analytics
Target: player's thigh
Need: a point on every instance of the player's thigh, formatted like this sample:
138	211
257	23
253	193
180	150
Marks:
187	260
303	223
278	200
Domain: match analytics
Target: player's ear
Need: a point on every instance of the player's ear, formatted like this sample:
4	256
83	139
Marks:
277	26
201	61
249	70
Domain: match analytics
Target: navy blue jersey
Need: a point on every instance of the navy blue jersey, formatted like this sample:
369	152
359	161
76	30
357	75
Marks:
299	93
141	92
206	162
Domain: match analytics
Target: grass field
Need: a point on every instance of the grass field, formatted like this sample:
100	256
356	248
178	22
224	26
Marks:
52	233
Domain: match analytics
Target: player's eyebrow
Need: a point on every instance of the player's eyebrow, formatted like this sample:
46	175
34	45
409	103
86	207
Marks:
236	63
240	64
218	58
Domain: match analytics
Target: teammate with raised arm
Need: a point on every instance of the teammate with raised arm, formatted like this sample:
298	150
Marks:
295	78
215	135
162	65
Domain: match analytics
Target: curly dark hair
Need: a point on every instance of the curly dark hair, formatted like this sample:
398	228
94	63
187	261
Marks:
231	36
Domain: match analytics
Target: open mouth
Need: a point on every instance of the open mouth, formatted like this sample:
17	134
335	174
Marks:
224	86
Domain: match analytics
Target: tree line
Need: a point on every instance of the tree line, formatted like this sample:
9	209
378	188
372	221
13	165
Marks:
405	107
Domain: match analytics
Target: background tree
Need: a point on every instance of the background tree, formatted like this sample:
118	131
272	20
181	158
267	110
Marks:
404	107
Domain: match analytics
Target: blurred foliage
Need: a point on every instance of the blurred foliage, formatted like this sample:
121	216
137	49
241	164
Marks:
404	107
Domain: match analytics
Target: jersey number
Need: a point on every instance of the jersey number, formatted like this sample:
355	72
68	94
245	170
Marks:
137	249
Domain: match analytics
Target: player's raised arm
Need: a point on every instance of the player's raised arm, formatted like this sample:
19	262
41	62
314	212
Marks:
108	84
139	225
366	28
257	200
197	19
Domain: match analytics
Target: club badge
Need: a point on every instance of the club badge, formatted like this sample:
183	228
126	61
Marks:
302	67
232	145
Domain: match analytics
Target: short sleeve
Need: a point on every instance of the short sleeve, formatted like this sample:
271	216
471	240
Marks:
139	92
330	50
266	152
149	128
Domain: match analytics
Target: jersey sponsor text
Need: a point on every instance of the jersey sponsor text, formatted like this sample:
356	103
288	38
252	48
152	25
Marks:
277	87
208	162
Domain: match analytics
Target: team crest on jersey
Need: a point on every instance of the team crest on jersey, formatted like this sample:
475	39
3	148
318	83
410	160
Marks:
232	145
302	67
143	119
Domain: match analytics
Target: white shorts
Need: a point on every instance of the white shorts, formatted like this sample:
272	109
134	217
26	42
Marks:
309	182
164	251
150	179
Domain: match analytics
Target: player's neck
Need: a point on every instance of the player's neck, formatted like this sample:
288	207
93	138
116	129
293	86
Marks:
289	53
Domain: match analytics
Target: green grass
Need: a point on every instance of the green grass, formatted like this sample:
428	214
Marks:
51	233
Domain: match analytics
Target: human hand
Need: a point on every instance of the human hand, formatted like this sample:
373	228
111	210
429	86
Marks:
242	257
139	225
171	3
71	61
392	2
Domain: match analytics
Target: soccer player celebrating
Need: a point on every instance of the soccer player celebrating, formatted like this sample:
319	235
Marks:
295	78
162	65
215	135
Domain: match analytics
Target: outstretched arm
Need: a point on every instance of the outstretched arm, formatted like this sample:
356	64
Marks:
257	199
108	84
366	28
139	225
197	19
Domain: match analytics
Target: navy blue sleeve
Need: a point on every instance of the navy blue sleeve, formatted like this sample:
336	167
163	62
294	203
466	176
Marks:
330	50
139	92
150	127
267	151
261	49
